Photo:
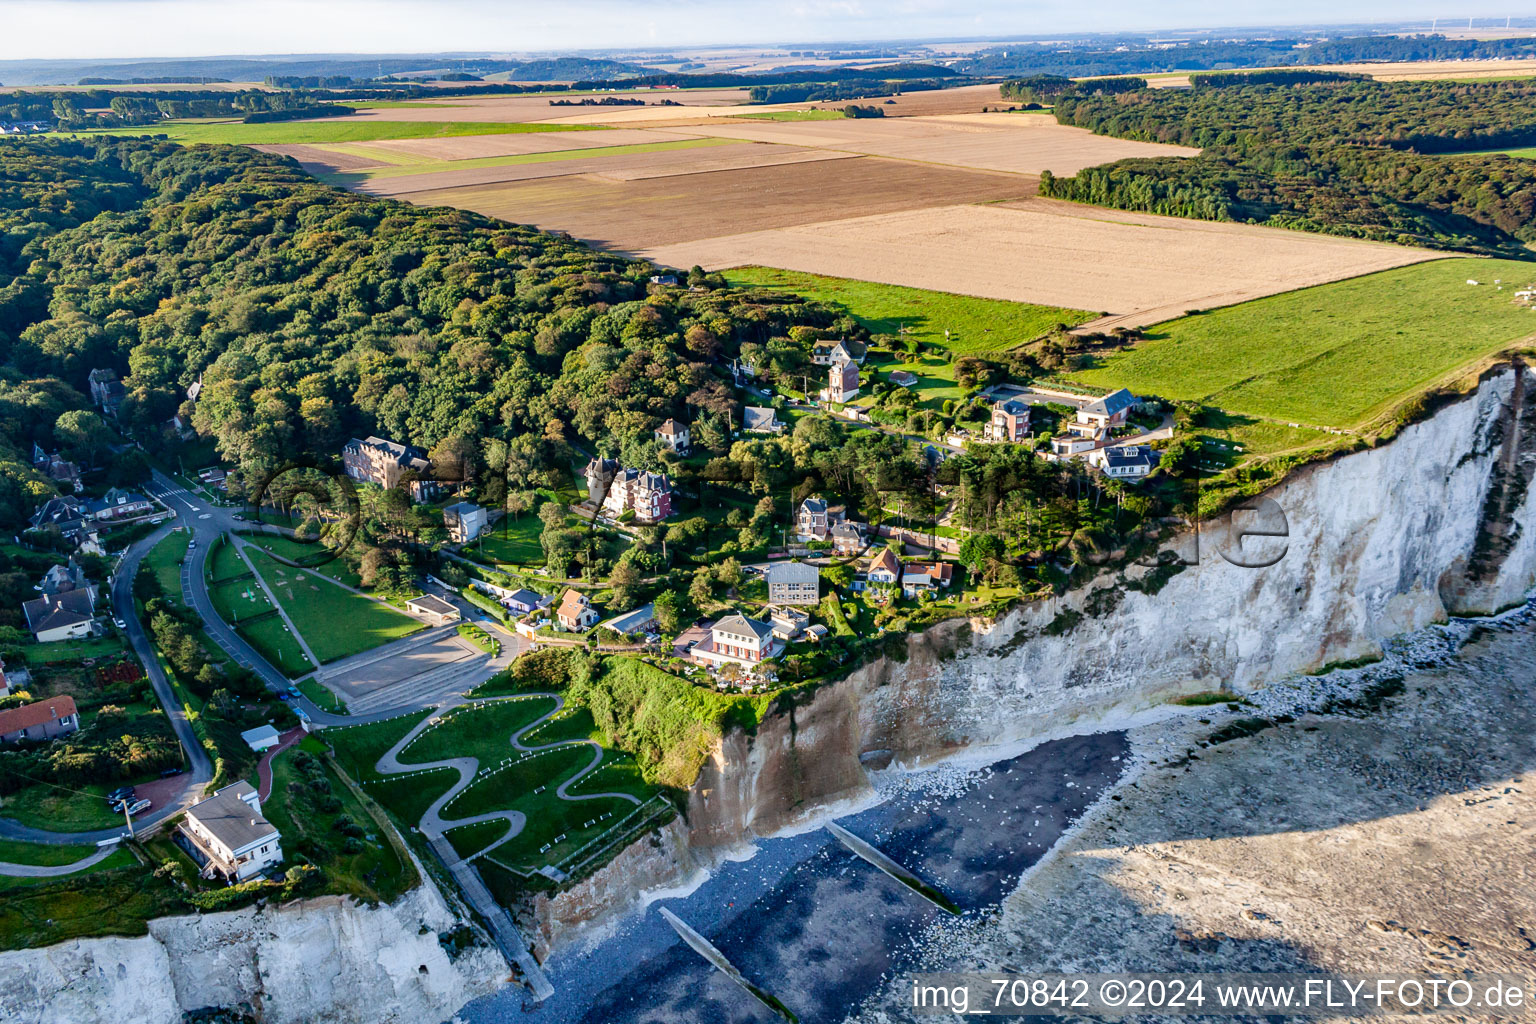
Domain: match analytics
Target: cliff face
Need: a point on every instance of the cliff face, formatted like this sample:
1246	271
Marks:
1438	522
322	960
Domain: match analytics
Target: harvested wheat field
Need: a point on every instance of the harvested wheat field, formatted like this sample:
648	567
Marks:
473	147
1021	143
965	99
695	156
536	106
647	213
1142	267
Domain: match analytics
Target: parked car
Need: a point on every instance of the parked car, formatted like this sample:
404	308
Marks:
119	623
295	692
238	517
120	794
284	696
137	807
192	543
171	771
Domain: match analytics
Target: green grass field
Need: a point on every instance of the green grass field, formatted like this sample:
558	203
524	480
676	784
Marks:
320	132
409	796
304	553
334	621
58	809
41	854
359	747
483	732
164	560
274	642
793	115
72	650
974	325
1336	355
241	601
116	897
514	541
401	167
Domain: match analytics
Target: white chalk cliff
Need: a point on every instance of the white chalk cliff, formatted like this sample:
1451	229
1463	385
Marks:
1380	542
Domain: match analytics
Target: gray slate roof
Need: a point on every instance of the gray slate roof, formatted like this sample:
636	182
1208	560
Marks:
792	572
236	823
1115	401
742	626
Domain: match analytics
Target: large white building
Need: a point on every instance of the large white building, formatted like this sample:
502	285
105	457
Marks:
229	837
736	639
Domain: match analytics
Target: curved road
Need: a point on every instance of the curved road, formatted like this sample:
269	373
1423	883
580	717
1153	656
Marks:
202	767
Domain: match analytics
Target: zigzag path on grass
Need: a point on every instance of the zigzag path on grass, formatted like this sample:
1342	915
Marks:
433	824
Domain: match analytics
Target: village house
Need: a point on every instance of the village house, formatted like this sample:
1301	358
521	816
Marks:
1108	412
925	577
575	613
1009	422
67	608
228	836
787	622
847	538
641	620
1125	462
794	583
736	639
842	383
830	353
523	601
214	477
107	392
40	720
617	490
375	460
815	519
1079	438
464	520
756	420
118	504
884	567
674	436
903	378
56	468
65	516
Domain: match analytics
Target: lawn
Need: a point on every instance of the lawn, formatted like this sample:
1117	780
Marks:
512	787
72	650
469	840
313	132
61	810
513	541
164	560
322	697
482	732
334	621
399	168
935	379
975	325
409	796
359	747
41	854
303	552
1336	355
272	639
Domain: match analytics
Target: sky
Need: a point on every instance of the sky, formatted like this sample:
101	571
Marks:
181	28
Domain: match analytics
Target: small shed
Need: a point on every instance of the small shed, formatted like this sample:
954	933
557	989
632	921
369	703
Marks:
260	738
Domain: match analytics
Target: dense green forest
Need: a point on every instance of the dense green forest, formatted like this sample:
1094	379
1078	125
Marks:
1137	55
311	314
1353	157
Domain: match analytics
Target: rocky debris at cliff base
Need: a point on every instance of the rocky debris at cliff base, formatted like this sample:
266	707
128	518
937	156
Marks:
1394	842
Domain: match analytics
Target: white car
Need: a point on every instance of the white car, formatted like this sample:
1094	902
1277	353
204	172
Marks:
119	623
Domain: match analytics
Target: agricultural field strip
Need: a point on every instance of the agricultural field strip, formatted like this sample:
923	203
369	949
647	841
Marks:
1053	254
628	164
468	768
327	131
1013	143
401	164
1357	347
